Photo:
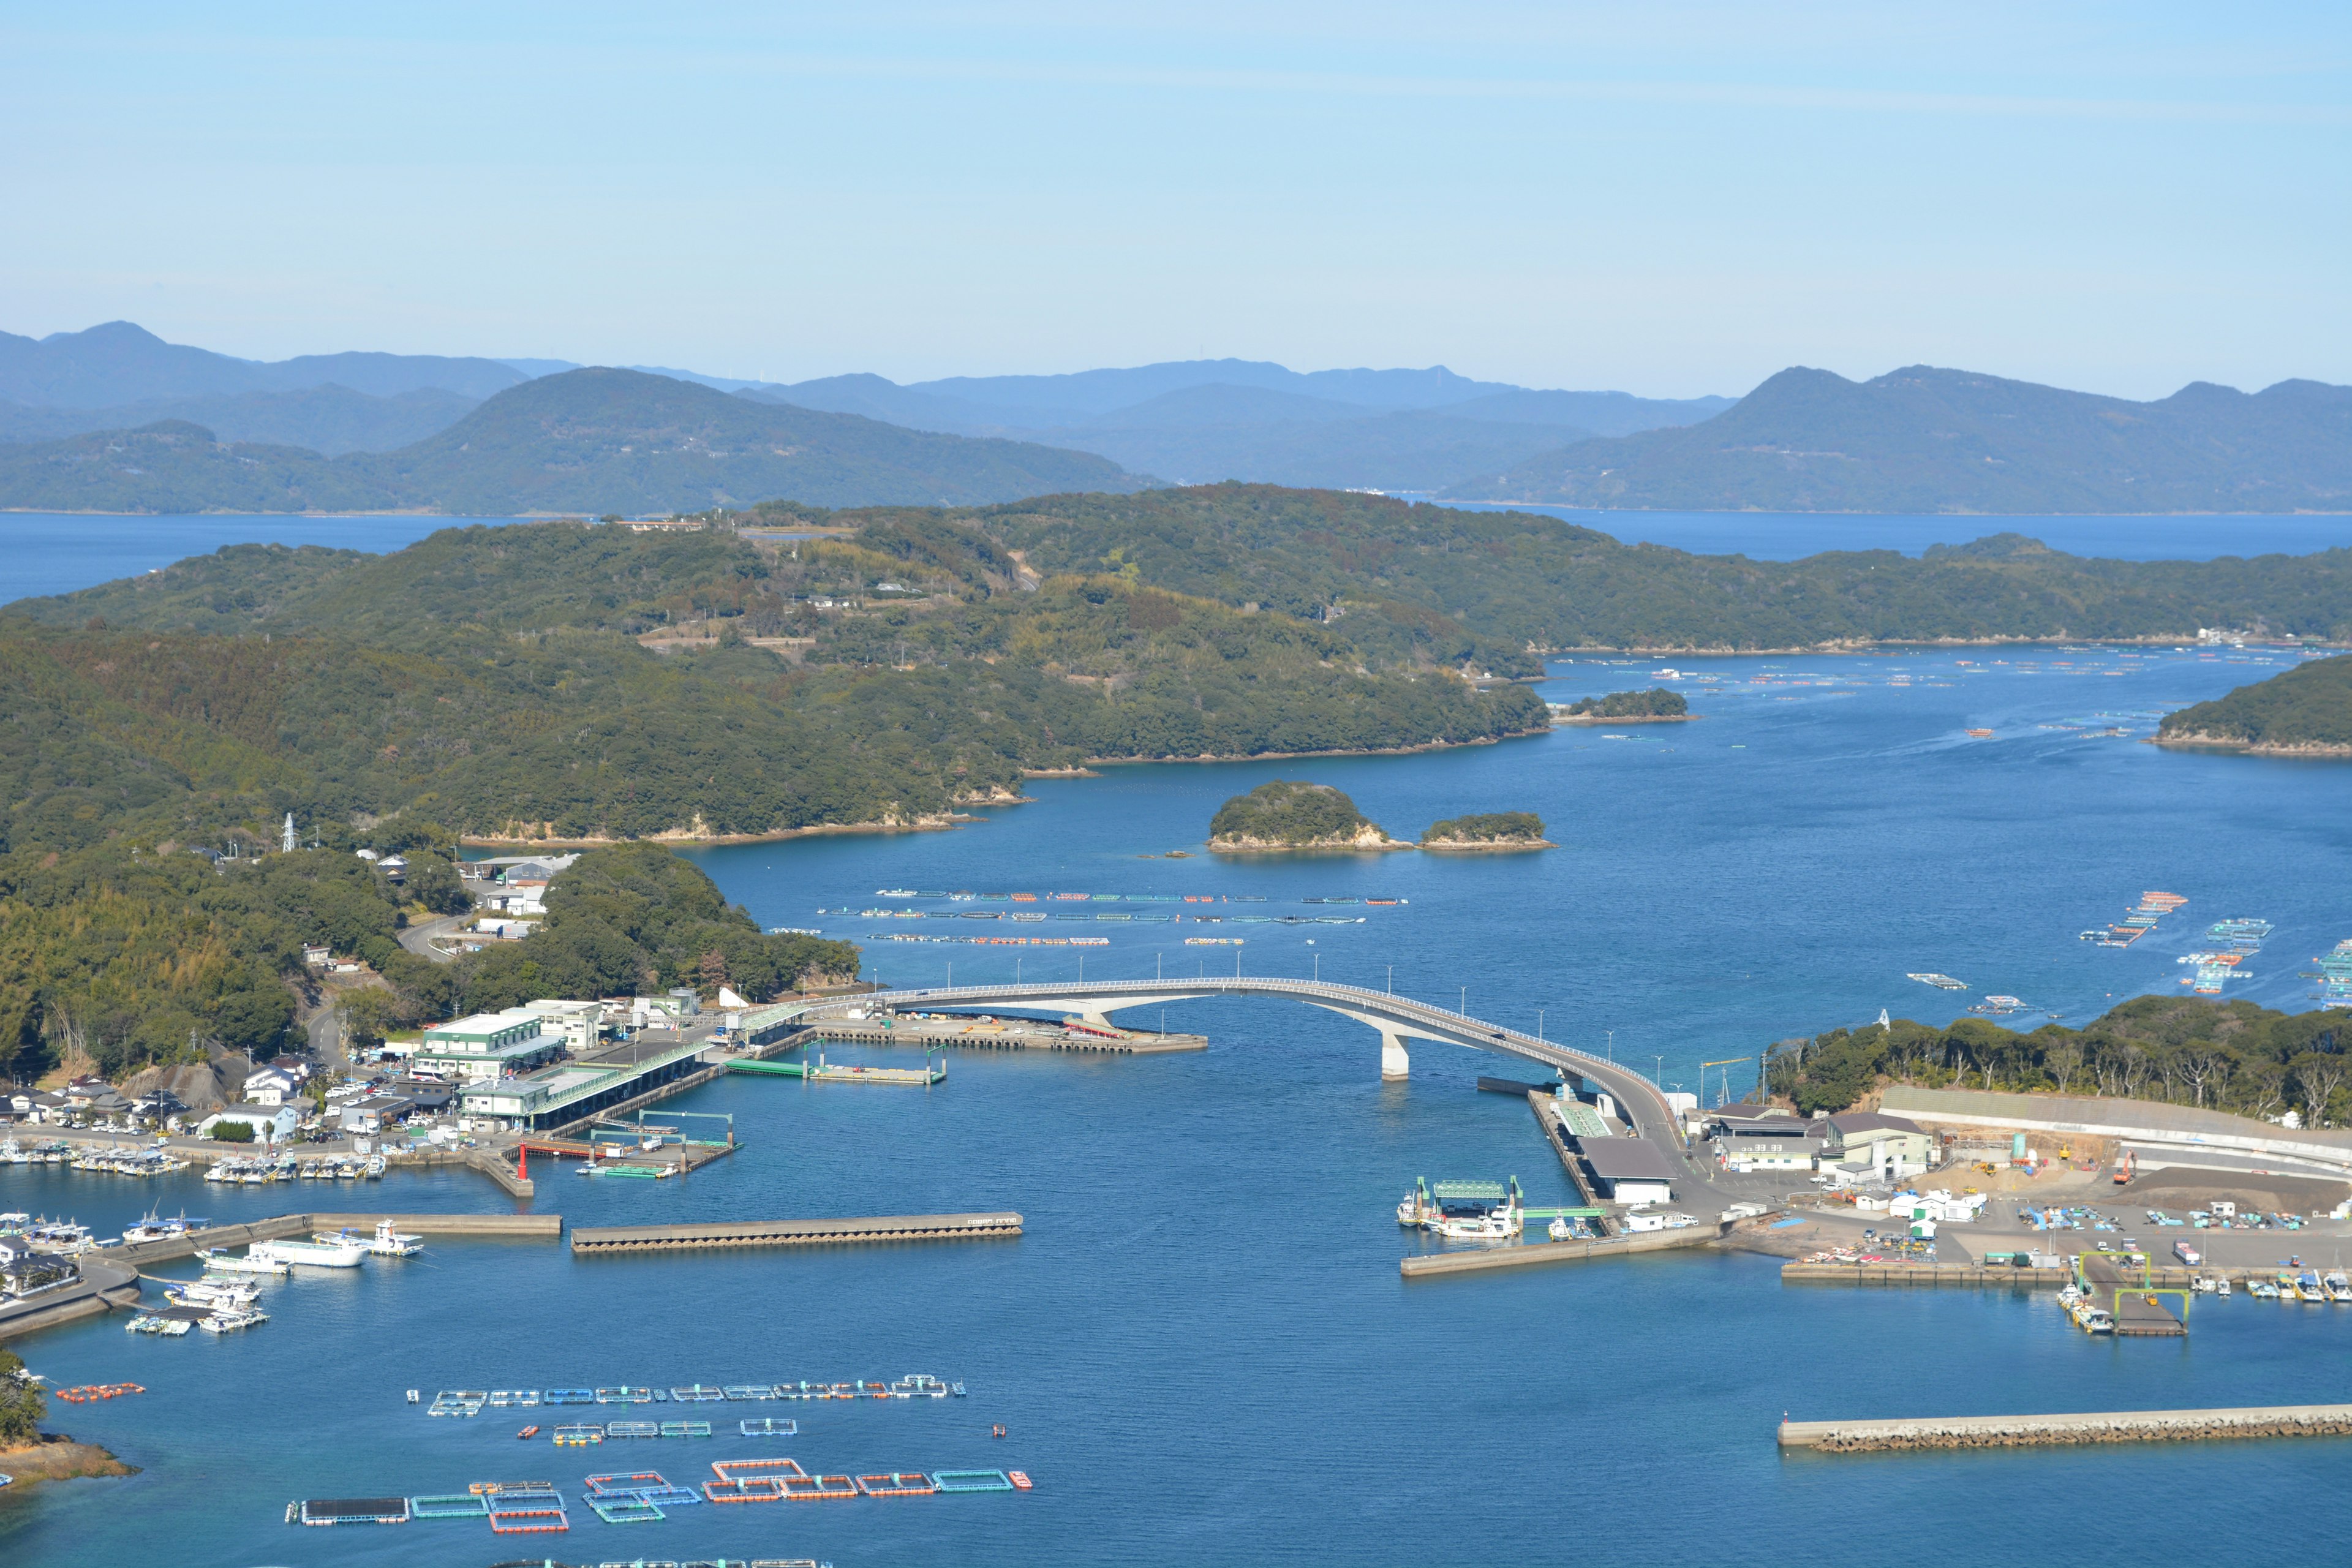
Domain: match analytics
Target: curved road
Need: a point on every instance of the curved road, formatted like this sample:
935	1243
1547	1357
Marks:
1638	1098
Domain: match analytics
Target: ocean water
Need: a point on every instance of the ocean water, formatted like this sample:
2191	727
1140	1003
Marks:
57	552
1202	1349
1790	535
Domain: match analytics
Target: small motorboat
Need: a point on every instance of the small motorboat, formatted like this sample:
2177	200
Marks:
527	1433
1559	1230
996	1431
1019	1479
2337	1285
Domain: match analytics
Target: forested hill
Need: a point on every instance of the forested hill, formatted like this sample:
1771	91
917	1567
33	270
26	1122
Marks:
1515	580
595	441
2306	709
1923	440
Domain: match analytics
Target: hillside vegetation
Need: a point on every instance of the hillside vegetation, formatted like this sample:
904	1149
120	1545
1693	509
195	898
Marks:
2228	1055
1495	828
1291	814
1923	440
1655	703
1486	587
2307	709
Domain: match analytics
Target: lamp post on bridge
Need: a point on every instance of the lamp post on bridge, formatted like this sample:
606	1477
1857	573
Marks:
1391	979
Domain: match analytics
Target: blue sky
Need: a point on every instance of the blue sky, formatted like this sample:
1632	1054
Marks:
1673	199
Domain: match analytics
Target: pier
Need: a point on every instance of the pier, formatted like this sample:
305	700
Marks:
793	1232
2042	1431
1531	1253
513	1227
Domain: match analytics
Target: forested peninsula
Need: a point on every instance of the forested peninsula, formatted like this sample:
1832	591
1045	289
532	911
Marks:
2305	712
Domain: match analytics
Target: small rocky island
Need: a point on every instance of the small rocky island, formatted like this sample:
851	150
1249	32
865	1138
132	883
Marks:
1493	830
28	1454
1291	814
1655	706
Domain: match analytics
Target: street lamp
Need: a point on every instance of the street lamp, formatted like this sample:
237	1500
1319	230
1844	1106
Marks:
1391	979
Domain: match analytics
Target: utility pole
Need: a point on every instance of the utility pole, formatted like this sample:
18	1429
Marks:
1391	979
1318	969
1612	1048
1539	1013
1658	1066
1464	1008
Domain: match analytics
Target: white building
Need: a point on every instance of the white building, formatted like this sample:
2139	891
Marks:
271	1086
577	1022
487	1046
270	1123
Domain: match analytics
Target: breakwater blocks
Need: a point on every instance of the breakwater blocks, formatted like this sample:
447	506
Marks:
793	1232
2042	1431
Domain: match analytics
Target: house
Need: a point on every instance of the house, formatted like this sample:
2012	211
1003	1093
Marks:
376	1112
82	1090
271	1086
23	1270
521	901
487	1046
393	866
108	1103
317	954
1888	1146
505	930
270	1123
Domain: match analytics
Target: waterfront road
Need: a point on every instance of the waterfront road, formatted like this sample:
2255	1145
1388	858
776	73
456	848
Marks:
1638	1099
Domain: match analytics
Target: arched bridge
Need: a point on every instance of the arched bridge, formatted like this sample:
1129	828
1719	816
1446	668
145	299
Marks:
1397	1020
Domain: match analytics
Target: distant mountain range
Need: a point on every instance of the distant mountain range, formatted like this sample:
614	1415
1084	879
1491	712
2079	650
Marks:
398	429
1923	440
590	441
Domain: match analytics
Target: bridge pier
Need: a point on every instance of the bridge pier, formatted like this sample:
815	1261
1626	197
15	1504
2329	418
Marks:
1395	1065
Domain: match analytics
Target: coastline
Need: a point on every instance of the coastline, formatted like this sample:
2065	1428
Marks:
2315	750
57	1458
1484	846
1343	751
1589	720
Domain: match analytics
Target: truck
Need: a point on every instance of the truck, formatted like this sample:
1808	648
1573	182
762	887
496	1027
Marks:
2186	1253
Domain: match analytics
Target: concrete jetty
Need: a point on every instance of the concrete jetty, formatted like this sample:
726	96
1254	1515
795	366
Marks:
793	1232
523	1227
1435	1263
2095	1426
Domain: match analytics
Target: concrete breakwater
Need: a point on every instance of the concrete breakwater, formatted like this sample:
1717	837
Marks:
793	1232
1011	1034
2041	1431
1983	1275
526	1227
1538	1252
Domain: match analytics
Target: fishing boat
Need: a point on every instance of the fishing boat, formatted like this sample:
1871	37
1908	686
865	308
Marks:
2307	1288
2098	1321
527	1433
386	1242
1417	1211
229	1322
2337	1285
2262	1290
1559	1229
154	1228
334	1254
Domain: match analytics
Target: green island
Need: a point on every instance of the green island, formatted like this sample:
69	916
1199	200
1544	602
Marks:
1657	705
2223	1055
1492	830
2305	712
1291	814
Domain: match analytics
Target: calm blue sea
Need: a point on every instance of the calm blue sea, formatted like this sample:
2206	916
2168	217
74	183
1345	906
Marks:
1202	1349
57	552
1789	535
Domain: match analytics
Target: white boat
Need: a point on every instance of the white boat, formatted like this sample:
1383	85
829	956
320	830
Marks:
228	1323
2222	1287
311	1254
386	1242
2339	1286
2096	1321
220	1259
1498	1224
212	1293
1413	1212
1560	1230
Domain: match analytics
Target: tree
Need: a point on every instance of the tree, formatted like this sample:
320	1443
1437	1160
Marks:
2203	1064
22	1404
433	882
231	1132
2064	1061
2319	1074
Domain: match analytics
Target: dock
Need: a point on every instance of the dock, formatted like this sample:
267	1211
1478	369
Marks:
514	1227
1541	1252
793	1232
836	1072
2095	1426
